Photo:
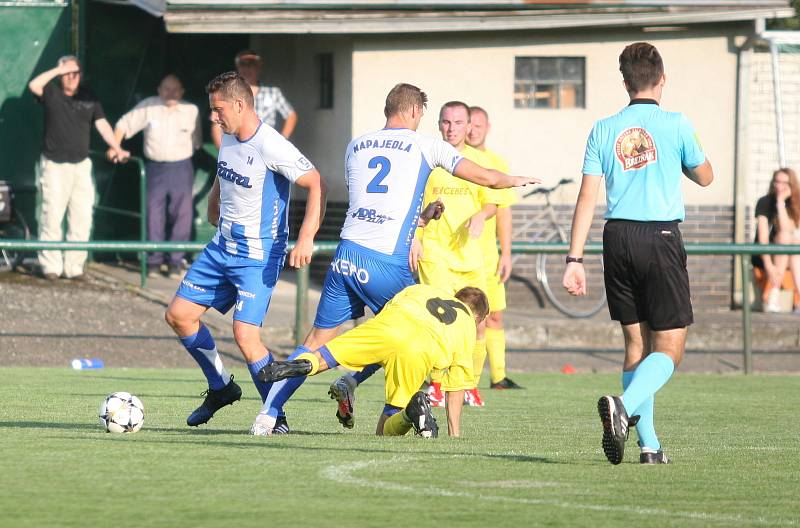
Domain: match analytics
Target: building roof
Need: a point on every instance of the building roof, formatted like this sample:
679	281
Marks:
412	16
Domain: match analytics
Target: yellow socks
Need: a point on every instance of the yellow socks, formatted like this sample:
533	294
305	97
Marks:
397	425
496	350
478	359
310	356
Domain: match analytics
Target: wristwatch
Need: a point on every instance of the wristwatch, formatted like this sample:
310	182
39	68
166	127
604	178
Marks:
579	260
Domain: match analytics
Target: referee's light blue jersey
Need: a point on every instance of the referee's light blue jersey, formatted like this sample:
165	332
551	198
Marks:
640	151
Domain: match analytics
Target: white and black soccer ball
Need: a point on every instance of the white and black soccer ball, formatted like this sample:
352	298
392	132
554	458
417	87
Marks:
121	412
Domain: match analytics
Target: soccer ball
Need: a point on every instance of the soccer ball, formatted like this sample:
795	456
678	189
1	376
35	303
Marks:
121	412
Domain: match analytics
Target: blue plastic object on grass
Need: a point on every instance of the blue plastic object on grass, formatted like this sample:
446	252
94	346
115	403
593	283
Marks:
87	363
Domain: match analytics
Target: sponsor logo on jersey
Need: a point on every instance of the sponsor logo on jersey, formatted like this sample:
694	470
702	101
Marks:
302	163
382	143
635	149
347	268
232	176
370	215
450	191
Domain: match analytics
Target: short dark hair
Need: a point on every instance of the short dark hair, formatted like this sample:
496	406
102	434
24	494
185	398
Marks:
641	66
476	300
231	86
455	104
473	109
404	97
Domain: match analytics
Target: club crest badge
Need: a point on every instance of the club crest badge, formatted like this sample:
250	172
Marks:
635	149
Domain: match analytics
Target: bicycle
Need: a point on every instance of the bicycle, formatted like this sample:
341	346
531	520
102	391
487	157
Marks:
12	227
550	266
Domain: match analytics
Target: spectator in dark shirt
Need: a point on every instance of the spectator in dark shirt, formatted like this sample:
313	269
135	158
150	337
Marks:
777	222
70	109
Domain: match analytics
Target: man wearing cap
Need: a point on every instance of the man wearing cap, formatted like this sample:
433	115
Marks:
269	100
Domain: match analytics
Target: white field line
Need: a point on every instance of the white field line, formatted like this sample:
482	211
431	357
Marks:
345	474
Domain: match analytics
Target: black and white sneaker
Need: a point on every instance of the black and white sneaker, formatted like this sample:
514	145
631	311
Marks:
649	456
419	412
280	370
615	427
343	391
281	426
214	401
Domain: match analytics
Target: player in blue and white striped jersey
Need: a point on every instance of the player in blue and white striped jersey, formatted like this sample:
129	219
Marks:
240	266
386	172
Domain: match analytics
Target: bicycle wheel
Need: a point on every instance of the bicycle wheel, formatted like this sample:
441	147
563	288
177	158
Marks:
17	229
550	269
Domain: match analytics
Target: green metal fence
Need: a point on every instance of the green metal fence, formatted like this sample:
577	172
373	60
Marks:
527	248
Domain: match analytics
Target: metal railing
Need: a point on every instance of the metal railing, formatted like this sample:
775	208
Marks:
527	248
141	215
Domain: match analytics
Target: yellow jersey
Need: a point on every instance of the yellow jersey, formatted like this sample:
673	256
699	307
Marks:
447	323
502	197
446	241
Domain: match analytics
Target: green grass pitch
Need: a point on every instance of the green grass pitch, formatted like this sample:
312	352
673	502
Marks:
529	458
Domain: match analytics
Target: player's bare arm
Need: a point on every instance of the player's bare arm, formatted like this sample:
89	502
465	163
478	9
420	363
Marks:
213	204
477	221
702	175
504	230
301	254
574	275
415	254
454	404
471	171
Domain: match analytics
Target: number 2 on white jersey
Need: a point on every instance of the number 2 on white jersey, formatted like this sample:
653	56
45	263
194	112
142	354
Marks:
385	165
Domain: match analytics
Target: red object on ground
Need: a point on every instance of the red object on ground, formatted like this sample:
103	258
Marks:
568	369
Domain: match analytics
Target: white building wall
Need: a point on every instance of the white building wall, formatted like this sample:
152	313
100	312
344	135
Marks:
321	134
479	69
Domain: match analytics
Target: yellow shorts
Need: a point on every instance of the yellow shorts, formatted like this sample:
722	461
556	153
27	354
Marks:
442	277
495	290
395	342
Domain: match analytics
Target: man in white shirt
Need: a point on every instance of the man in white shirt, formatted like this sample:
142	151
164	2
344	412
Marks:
171	135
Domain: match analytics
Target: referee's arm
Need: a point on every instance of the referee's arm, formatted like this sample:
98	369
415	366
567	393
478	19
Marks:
574	276
702	175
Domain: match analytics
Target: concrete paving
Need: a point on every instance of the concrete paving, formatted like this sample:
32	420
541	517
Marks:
539	339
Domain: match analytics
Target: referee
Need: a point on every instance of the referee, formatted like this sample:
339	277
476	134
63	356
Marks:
642	152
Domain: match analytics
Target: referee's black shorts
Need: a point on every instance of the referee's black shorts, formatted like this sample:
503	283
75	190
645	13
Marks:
645	274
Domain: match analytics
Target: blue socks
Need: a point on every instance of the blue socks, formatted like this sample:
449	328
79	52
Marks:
651	374
365	373
263	388
644	428
202	348
282	390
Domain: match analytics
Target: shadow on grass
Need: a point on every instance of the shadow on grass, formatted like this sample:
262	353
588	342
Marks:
148	379
49	425
277	443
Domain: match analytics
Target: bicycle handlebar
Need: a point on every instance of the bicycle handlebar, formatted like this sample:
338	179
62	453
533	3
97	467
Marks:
548	190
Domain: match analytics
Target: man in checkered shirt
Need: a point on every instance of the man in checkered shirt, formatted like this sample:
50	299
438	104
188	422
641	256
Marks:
269	101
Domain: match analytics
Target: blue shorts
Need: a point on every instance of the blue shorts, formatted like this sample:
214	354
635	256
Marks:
221	280
359	277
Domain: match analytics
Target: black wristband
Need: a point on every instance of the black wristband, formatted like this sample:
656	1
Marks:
579	260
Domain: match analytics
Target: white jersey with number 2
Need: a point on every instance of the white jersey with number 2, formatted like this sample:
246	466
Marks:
386	172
